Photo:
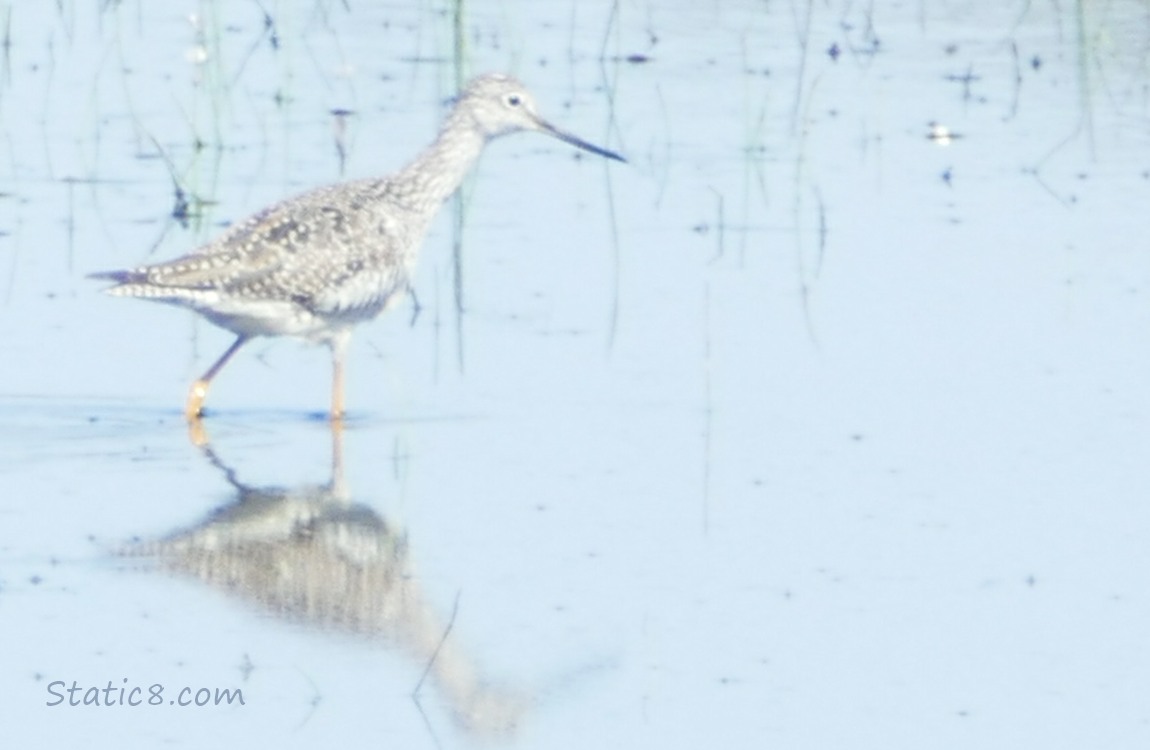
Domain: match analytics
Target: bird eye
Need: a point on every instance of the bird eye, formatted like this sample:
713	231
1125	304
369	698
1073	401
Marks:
513	100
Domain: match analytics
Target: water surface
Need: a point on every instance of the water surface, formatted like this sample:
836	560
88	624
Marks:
819	424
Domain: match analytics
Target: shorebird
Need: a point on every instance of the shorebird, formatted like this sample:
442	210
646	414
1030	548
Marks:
316	265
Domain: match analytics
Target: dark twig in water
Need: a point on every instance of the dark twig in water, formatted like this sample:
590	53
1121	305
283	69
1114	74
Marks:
6	46
438	648
416	308
268	32
459	201
720	226
339	128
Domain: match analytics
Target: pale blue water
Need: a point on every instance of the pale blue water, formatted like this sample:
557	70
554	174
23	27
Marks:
802	430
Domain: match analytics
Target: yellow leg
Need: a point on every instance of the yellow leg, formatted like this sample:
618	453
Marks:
194	408
338	345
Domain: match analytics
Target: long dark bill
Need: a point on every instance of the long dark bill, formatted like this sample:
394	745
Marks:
566	137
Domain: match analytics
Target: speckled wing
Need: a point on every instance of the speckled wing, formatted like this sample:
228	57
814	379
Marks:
331	251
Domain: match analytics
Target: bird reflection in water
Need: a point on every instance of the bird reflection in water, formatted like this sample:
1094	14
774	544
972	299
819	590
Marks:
310	555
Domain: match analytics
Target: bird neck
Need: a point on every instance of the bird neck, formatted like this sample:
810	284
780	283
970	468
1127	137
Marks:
437	172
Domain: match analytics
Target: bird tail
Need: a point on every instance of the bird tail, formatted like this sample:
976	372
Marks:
118	277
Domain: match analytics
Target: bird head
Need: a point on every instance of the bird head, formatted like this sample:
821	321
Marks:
499	104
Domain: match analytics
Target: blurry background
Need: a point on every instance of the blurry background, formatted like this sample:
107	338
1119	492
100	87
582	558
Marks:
821	423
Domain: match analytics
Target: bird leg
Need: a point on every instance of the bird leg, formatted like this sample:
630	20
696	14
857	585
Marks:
194	408
338	344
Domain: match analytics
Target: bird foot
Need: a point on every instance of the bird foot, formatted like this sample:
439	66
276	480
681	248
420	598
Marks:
194	408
